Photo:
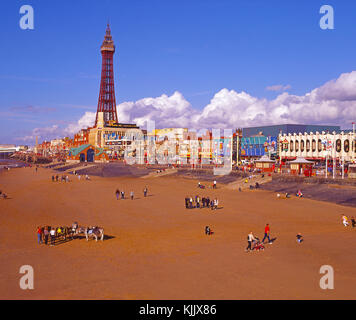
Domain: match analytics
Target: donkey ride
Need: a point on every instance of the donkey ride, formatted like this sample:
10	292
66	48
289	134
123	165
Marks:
95	232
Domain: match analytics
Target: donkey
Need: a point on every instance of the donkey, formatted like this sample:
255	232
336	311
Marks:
95	232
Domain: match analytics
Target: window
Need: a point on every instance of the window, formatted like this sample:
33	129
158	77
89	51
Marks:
291	146
346	145
308	145
320	147
296	145
302	145
313	145
338	145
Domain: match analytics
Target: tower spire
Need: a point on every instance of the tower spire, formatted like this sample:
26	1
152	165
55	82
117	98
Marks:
107	102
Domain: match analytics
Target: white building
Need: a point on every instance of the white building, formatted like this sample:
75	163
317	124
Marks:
318	146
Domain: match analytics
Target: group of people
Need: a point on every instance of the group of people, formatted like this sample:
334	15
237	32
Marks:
286	195
255	244
120	194
86	177
201	186
345	221
62	178
198	202
299	194
44	234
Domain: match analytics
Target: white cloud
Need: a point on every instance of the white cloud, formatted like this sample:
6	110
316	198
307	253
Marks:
87	120
332	103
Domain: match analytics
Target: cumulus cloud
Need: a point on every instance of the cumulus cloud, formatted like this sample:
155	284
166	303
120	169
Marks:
87	120
332	103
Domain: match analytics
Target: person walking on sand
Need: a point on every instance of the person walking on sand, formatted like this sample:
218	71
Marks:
122	194
216	203
214	185
145	192
197	200
267	233
117	192
250	239
132	195
39	235
46	234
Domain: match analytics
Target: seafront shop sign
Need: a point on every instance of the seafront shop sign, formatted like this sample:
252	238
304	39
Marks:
221	150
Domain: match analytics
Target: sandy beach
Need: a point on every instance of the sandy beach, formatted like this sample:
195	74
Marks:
157	249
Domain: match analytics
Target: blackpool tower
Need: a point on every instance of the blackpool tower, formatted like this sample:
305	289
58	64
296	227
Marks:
107	103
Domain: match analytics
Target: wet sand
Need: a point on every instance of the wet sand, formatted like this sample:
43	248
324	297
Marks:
340	194
157	249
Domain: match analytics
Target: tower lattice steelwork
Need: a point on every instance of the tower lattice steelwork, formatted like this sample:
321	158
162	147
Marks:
107	102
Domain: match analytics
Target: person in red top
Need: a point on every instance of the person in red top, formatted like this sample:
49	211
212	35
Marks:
267	232
39	235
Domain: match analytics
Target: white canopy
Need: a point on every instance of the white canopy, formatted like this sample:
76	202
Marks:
301	160
265	159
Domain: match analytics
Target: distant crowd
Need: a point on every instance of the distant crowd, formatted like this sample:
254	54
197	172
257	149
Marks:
204	202
65	178
120	194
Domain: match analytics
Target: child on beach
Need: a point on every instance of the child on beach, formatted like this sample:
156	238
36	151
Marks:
299	238
208	231
345	220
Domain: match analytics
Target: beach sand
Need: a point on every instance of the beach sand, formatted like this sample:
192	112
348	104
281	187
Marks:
157	249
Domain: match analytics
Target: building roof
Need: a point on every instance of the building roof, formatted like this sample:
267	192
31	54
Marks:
265	158
275	130
301	160
76	151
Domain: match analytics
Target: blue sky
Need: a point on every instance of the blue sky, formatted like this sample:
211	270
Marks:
50	75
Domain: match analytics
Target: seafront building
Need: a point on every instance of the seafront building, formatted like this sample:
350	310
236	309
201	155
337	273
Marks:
318	146
265	140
